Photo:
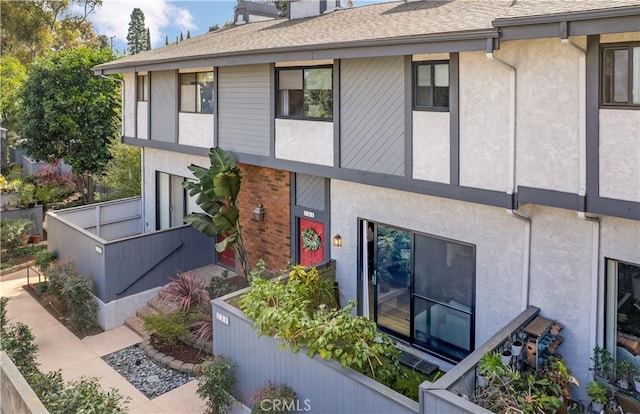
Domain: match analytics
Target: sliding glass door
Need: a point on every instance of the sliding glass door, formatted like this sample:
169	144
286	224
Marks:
424	290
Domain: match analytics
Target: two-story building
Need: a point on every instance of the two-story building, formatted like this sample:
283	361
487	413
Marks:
460	160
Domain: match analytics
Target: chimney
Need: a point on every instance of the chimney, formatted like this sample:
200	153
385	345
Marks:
299	9
250	11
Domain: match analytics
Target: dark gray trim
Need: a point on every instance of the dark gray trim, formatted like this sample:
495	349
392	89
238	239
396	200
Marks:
323	6
570	28
472	40
336	113
216	105
149	107
135	107
177	105
570	16
593	115
327	219
408	116
454	119
293	218
616	208
549	198
272	110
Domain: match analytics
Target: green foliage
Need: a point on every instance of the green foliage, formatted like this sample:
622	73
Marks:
122	175
295	313
625	370
602	363
68	112
17	341
219	286
27	194
170	328
24	251
216	384
216	190
490	365
137	40
12	73
597	392
44	259
12	232
76	295
273	398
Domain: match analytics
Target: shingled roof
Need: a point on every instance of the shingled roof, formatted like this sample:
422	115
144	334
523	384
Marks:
385	23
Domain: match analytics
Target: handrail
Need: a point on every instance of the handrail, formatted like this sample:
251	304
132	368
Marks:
175	249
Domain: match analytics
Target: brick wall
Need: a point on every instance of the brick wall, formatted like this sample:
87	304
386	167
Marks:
270	239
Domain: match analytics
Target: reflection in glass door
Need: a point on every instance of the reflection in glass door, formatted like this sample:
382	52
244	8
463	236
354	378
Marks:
393	280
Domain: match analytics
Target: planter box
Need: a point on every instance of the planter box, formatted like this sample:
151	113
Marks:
321	386
9	199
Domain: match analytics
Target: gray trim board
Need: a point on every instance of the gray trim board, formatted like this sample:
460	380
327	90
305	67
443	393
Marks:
571	28
549	198
216	104
593	115
570	16
272	110
336	113
616	208
135	105
293	217
454	119
177	105
474	40
408	116
323	6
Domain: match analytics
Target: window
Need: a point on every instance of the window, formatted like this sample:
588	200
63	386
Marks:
423	289
622	317
196	92
305	93
143	88
621	75
431	85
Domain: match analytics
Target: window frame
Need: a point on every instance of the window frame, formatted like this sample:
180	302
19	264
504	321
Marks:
144	86
196	95
414	85
303	68
604	47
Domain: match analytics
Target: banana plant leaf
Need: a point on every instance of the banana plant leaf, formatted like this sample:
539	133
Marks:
226	219
202	223
229	241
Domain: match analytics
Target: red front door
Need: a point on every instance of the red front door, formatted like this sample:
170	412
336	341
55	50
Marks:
226	258
312	239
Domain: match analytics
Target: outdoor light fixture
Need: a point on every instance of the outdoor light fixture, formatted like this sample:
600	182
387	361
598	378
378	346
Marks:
337	240
258	213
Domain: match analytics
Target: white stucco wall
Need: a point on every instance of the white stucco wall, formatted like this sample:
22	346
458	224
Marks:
484	122
196	129
305	141
167	162
620	154
499	241
431	146
143	120
129	104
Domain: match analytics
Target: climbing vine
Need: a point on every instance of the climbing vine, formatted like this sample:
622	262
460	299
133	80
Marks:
311	240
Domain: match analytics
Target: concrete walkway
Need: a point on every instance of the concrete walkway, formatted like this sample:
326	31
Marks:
60	349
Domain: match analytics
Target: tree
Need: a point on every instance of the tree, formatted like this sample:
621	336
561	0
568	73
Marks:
181	37
68	112
137	34
148	39
216	191
214	27
188	34
122	175
12	73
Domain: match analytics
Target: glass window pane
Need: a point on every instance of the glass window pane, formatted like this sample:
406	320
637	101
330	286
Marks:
635	70
441	75
205	92
424	75
318	93
142	87
621	76
187	92
290	79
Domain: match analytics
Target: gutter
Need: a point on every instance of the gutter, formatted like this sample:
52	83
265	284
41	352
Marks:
477	34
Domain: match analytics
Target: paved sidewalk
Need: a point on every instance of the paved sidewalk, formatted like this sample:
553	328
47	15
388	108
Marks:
60	349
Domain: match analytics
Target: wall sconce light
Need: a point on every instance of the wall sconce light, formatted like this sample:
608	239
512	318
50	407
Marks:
337	240
258	213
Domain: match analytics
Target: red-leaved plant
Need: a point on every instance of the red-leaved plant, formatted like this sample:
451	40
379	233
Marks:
187	291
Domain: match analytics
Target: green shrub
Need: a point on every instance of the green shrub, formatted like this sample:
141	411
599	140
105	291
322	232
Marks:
216	384
12	231
17	341
273	398
170	328
44	259
219	286
24	251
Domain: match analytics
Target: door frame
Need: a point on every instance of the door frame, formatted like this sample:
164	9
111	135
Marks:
321	216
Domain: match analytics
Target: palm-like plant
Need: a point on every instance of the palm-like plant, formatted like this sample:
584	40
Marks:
216	191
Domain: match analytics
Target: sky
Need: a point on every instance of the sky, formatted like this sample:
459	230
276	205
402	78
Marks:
166	18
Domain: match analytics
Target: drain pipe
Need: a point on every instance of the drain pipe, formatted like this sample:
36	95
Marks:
511	184
595	283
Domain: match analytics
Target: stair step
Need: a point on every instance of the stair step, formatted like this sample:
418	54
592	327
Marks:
146	311
161	306
137	325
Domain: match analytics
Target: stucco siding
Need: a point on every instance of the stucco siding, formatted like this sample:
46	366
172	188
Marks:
143	120
129	104
620	154
484	122
244	109
196	129
168	162
372	114
498	238
431	147
548	108
305	141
